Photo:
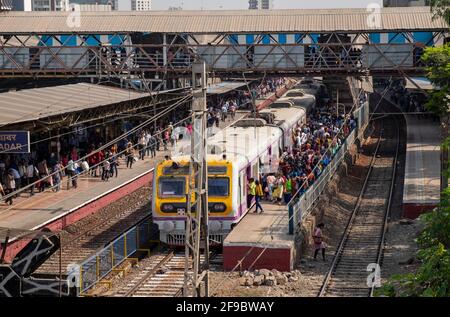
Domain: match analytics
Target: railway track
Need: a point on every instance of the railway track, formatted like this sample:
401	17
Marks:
95	232
161	275
361	248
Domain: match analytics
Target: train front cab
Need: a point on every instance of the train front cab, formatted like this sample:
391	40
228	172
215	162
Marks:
170	188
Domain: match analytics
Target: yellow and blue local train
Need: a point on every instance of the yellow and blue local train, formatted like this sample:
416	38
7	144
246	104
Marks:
245	149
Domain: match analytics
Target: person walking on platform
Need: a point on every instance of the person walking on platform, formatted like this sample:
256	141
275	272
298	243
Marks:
251	192
129	153
319	244
259	195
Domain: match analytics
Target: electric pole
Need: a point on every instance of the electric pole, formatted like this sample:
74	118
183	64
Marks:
196	271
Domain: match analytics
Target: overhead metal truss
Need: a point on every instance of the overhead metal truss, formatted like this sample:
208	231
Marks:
32	55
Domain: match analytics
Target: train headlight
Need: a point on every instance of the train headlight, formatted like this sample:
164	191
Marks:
215	226
167	208
168	226
219	207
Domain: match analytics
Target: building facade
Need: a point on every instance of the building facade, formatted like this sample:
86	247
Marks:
49	5
260	4
132	5
405	3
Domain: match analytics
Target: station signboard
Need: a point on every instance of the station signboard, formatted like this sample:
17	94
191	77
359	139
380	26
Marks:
14	142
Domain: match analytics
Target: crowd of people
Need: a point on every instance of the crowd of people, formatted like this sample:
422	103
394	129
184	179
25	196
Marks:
83	153
315	143
224	108
38	171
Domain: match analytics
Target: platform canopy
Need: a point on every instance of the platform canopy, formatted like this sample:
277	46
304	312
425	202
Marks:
39	103
221	21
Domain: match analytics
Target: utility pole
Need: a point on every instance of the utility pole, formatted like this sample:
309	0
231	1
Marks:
196	271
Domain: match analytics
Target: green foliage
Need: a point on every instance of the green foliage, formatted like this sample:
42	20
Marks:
432	278
437	60
441	8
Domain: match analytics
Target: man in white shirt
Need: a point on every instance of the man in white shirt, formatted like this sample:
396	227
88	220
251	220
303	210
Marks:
30	173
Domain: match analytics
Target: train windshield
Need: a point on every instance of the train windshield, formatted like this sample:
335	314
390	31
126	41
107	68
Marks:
218	186
170	187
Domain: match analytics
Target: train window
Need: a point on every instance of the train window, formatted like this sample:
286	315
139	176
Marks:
217	170
176	170
172	187
218	186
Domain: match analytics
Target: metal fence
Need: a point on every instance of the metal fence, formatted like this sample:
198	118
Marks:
300	207
104	261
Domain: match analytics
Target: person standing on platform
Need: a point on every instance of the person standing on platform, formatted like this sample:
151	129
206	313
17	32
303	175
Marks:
57	175
31	172
278	193
142	146
10	187
319	244
259	195
148	136
106	165
288	190
152	146
270	186
71	174
129	152
251	192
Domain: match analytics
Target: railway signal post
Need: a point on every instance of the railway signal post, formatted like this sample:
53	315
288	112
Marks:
196	271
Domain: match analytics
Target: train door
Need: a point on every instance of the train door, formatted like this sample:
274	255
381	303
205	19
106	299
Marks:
242	190
255	170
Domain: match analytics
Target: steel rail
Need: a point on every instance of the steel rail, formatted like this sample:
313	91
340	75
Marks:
350	222
150	274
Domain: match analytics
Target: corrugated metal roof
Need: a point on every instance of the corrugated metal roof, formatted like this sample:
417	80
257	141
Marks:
39	103
214	22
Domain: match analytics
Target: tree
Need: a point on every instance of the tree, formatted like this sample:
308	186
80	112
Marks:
432	278
441	8
437	60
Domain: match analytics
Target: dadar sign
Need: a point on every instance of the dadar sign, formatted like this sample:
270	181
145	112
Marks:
15	142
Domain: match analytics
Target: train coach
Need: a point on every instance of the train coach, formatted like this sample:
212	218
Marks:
249	147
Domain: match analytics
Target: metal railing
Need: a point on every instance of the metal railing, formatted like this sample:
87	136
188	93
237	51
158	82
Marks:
104	261
300	206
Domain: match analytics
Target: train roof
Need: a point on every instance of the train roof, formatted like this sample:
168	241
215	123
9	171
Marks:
285	117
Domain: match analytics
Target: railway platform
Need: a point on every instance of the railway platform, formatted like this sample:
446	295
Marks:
261	241
421	191
55	211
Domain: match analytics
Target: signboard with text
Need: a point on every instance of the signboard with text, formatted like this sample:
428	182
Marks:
14	142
